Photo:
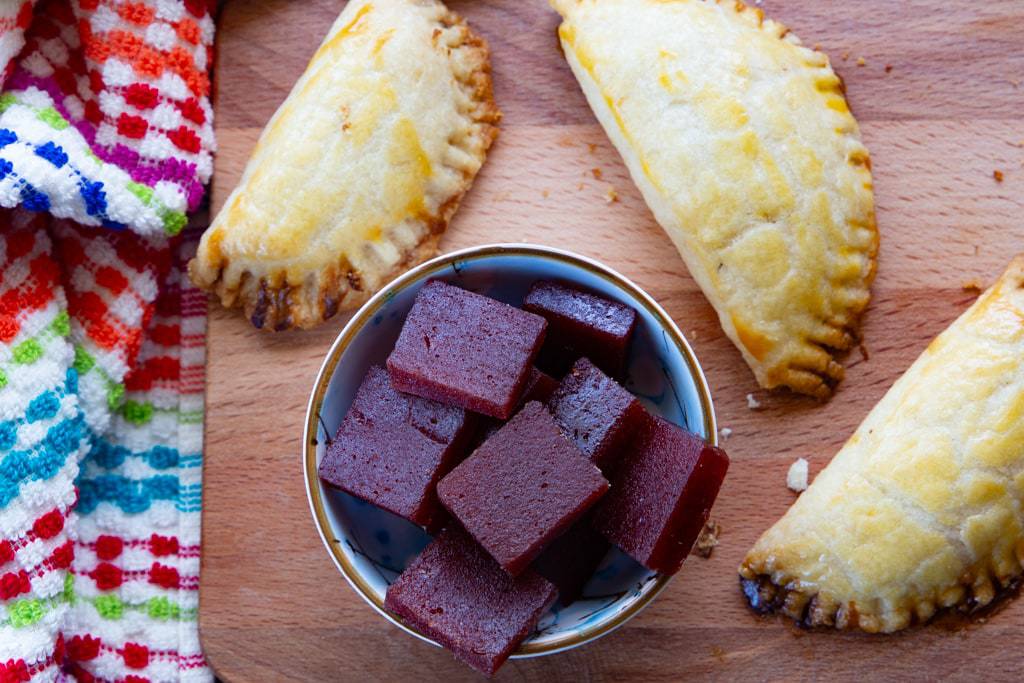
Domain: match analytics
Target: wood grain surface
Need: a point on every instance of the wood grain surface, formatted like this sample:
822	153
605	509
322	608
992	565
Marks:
940	100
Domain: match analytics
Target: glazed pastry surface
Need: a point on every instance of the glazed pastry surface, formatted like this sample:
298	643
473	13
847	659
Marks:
356	176
742	144
921	509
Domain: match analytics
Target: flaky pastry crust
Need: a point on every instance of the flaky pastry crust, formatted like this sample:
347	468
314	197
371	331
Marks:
357	175
922	508
741	142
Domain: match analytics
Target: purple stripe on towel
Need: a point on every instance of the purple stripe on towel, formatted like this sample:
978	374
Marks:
146	171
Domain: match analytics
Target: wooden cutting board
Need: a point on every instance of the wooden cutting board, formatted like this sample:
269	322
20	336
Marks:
937	89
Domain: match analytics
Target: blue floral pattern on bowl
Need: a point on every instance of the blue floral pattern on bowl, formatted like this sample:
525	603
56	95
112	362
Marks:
371	547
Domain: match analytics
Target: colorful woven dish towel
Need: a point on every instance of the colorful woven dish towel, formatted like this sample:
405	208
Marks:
105	147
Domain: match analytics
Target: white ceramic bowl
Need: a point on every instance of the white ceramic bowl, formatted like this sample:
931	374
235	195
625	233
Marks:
371	547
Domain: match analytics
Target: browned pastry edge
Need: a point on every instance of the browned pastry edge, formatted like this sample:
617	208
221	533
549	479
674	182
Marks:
846	334
972	597
277	306
846	331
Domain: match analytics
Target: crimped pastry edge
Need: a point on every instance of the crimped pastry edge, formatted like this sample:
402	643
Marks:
769	590
271	304
842	332
845	331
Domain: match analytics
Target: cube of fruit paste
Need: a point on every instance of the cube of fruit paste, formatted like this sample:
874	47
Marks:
571	559
392	448
597	414
456	594
523	487
661	495
581	324
465	349
539	387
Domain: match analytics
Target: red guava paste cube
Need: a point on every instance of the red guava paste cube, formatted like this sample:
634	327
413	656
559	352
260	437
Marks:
523	487
597	414
581	324
465	349
539	387
572	558
456	594
661	496
392	448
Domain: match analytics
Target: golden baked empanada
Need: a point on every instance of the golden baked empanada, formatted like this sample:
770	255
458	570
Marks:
358	173
742	144
921	509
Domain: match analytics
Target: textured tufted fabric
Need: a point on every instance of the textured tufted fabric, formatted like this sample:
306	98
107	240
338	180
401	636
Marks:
105	146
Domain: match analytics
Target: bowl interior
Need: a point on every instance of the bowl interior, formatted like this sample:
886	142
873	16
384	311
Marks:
371	546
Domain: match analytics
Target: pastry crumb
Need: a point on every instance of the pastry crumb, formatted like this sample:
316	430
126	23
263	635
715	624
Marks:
861	61
725	432
888	68
708	538
718	653
845	56
998	175
591	147
796	478
596	172
581	186
972	286
611	196
546	193
752	403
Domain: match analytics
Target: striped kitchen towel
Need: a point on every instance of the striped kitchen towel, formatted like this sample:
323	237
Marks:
105	147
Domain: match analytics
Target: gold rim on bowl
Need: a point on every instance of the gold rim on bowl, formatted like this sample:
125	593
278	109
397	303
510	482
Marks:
367	312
